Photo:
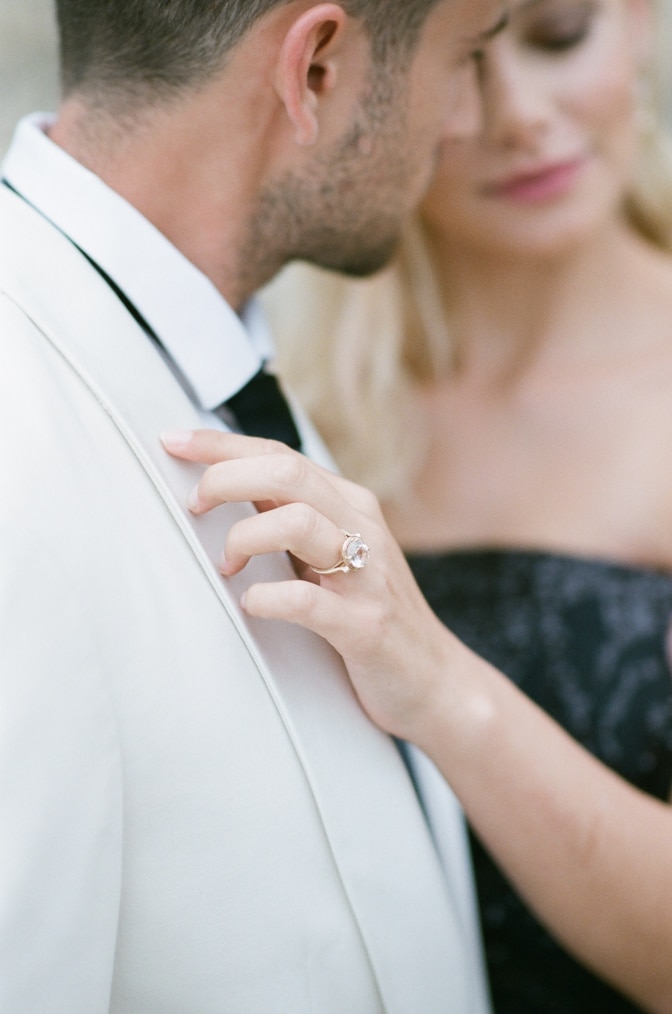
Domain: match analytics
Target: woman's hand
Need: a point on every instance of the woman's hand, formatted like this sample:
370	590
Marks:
592	855
396	651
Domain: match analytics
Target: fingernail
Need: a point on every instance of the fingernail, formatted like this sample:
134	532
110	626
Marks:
176	438
193	502
224	568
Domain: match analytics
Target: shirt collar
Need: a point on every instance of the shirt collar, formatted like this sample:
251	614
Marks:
213	348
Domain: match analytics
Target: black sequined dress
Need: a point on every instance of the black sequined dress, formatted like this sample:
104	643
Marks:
586	640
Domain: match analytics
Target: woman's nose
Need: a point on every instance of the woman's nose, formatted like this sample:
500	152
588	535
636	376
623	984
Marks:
515	103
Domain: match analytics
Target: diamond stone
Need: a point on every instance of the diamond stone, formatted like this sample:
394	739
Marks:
356	552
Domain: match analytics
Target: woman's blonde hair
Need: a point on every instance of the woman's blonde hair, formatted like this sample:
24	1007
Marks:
355	351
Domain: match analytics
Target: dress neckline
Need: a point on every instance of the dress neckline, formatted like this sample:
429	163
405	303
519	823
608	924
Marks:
533	555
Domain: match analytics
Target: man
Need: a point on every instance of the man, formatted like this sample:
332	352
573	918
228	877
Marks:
196	817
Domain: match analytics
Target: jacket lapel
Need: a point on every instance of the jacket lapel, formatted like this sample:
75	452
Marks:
367	805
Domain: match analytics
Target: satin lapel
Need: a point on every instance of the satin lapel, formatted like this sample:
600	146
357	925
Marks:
360	788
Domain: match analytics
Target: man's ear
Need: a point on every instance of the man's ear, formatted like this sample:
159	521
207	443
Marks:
307	66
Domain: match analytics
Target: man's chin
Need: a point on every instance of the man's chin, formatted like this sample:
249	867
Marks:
363	262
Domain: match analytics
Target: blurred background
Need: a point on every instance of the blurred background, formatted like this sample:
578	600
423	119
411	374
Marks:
28	78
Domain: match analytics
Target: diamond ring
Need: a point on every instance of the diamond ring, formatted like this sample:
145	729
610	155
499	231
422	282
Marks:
354	555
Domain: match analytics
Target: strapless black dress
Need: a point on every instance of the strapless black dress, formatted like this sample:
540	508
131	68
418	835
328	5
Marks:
585	639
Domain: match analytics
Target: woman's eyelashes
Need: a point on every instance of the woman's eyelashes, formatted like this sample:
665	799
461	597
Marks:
561	31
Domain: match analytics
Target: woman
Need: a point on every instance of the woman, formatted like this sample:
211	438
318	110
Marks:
506	388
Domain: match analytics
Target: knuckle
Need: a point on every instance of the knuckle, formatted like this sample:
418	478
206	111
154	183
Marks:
287	471
375	623
295	524
370	504
363	499
377	618
305	595
304	520
271	446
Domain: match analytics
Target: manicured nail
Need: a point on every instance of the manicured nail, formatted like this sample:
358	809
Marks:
194	503
176	438
224	567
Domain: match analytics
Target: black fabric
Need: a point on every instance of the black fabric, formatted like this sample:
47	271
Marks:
586	640
261	410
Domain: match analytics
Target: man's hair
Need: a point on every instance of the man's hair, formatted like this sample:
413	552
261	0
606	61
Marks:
150	49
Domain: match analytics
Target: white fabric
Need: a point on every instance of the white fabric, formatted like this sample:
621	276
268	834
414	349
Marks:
195	817
198	329
450	837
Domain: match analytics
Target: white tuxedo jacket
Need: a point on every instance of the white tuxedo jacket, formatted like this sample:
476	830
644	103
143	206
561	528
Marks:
195	816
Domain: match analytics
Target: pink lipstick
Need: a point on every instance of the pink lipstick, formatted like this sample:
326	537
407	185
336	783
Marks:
543	184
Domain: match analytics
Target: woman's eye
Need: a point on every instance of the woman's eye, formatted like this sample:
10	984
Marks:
561	33
558	42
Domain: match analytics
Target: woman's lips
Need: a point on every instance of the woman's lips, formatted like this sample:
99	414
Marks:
538	185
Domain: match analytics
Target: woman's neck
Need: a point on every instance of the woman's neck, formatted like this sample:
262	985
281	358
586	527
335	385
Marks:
512	314
553	428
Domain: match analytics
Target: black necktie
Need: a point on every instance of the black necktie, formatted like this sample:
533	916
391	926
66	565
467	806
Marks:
261	410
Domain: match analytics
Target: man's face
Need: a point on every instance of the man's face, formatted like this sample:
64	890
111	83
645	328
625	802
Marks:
346	208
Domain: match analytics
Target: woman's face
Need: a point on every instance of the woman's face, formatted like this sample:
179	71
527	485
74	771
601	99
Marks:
559	137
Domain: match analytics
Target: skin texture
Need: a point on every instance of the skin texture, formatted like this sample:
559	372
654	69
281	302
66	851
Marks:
322	169
559	87
553	428
561	318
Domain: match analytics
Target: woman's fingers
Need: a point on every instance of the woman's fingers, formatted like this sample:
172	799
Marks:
396	652
276	480
377	619
295	528
295	602
305	509
272	480
210	446
214	447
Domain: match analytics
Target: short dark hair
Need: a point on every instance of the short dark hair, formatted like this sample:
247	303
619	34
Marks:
153	48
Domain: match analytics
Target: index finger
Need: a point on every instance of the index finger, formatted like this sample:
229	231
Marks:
207	447
210	447
269	481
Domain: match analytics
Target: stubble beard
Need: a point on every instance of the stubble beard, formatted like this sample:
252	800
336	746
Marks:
345	214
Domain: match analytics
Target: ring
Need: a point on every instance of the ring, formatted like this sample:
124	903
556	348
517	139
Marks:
354	555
